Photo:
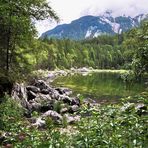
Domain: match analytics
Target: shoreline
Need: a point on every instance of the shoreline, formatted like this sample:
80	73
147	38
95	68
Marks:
51	75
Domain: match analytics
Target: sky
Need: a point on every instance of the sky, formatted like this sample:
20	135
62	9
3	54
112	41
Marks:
69	10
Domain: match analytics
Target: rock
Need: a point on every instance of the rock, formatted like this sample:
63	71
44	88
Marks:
53	115
47	107
73	69
55	95
62	73
19	94
43	99
40	123
36	106
72	119
45	91
64	110
75	101
84	69
31	95
50	76
66	99
65	91
141	109
46	103
73	109
41	84
33	89
60	91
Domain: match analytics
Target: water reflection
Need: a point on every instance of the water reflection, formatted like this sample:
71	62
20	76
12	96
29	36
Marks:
100	86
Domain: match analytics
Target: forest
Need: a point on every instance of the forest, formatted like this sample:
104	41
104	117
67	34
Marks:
22	52
123	51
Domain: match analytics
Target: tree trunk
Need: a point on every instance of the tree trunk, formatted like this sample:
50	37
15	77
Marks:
8	44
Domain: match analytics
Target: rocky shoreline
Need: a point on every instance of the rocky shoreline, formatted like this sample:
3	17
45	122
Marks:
48	101
56	103
51	75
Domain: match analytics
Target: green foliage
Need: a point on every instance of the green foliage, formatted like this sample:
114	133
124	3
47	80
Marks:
67	53
139	61
112	127
57	106
100	126
17	19
10	113
128	76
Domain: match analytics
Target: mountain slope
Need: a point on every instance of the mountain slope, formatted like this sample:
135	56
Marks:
93	26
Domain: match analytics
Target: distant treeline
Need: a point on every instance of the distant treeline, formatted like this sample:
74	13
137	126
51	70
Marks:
104	52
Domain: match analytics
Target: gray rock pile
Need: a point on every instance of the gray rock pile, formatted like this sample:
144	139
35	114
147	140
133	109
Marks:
46	100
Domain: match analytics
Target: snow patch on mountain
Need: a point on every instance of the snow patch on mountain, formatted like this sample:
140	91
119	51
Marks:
120	31
89	31
116	27
97	33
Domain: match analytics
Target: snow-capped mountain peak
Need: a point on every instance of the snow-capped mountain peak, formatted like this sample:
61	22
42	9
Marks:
93	26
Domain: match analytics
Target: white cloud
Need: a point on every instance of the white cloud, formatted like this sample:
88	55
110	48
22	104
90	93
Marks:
69	10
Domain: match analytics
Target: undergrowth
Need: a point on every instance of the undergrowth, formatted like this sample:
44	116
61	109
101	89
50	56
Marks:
105	126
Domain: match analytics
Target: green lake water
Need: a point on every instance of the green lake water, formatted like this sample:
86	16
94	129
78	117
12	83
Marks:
103	87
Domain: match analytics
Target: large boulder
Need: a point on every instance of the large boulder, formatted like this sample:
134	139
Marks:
66	99
31	95
75	101
72	119
19	94
35	106
46	107
56	117
40	123
73	109
55	95
40	107
62	91
33	89
45	102
45	91
40	98
64	110
41	84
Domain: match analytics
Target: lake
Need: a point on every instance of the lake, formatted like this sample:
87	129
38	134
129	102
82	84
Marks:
102	87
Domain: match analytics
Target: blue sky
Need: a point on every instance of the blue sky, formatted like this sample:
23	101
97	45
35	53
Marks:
69	10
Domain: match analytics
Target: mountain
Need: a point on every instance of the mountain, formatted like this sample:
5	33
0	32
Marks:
93	26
